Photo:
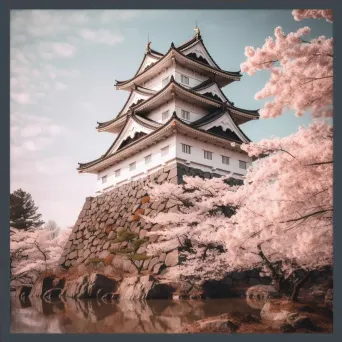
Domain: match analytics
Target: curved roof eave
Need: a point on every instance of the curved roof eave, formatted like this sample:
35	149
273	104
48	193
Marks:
104	156
192	42
172	48
174	116
215	115
173	81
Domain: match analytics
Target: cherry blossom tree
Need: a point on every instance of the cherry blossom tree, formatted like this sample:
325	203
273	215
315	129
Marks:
35	251
280	219
301	70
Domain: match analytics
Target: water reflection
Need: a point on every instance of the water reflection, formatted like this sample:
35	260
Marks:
97	316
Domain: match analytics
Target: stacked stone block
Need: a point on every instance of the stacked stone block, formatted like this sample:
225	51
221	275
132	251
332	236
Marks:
121	208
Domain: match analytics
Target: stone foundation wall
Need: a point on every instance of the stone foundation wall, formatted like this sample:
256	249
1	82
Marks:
103	216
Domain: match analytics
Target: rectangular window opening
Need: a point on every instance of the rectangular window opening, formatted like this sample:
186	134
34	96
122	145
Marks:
148	159
165	81
165	115
132	166
186	148
117	173
104	179
185	115
242	164
225	160
208	155
165	151
185	79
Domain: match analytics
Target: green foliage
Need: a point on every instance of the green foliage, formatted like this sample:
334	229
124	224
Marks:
23	212
122	250
95	261
130	253
138	243
138	257
126	235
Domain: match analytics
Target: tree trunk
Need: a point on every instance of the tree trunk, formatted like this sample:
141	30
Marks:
297	286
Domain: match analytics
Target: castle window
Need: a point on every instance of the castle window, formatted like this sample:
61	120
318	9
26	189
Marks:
165	115
165	81
208	155
185	79
242	164
132	166
148	159
165	151
186	148
225	160
104	179
185	115
117	173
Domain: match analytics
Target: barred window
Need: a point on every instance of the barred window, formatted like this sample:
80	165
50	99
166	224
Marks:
165	115
186	148
225	160
185	79
165	81
165	151
104	179
242	164
148	159
185	115
132	166
208	155
117	173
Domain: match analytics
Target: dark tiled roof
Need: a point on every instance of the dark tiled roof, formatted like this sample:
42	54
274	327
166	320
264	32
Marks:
208	118
230	73
213	116
129	140
224	133
174	116
204	84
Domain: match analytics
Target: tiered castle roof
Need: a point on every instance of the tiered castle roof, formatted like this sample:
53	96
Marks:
141	100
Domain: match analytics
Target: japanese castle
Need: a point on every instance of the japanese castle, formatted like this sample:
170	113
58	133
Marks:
175	112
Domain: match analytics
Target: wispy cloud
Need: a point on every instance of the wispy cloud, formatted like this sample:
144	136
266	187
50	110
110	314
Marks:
31	133
60	86
46	48
119	15
21	98
53	165
101	36
56	49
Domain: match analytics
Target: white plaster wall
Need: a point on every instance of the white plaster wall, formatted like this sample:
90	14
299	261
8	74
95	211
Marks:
142	169
196	112
194	77
196	158
214	89
135	97
147	62
199	50
156	114
130	130
155	83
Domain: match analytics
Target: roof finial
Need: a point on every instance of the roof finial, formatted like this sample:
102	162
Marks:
148	46
197	30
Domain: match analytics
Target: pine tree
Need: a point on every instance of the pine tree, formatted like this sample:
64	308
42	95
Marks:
23	212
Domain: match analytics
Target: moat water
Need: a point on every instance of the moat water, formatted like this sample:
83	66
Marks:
96	316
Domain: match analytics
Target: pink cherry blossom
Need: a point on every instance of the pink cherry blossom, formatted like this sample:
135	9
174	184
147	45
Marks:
301	71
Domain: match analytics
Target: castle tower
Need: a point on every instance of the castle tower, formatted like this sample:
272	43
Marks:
176	112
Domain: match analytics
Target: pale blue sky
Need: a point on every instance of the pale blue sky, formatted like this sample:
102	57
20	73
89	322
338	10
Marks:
63	67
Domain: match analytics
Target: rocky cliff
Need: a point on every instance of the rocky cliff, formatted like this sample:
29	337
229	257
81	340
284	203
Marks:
103	218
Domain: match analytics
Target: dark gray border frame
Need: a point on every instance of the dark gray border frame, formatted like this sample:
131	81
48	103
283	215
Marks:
5	8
